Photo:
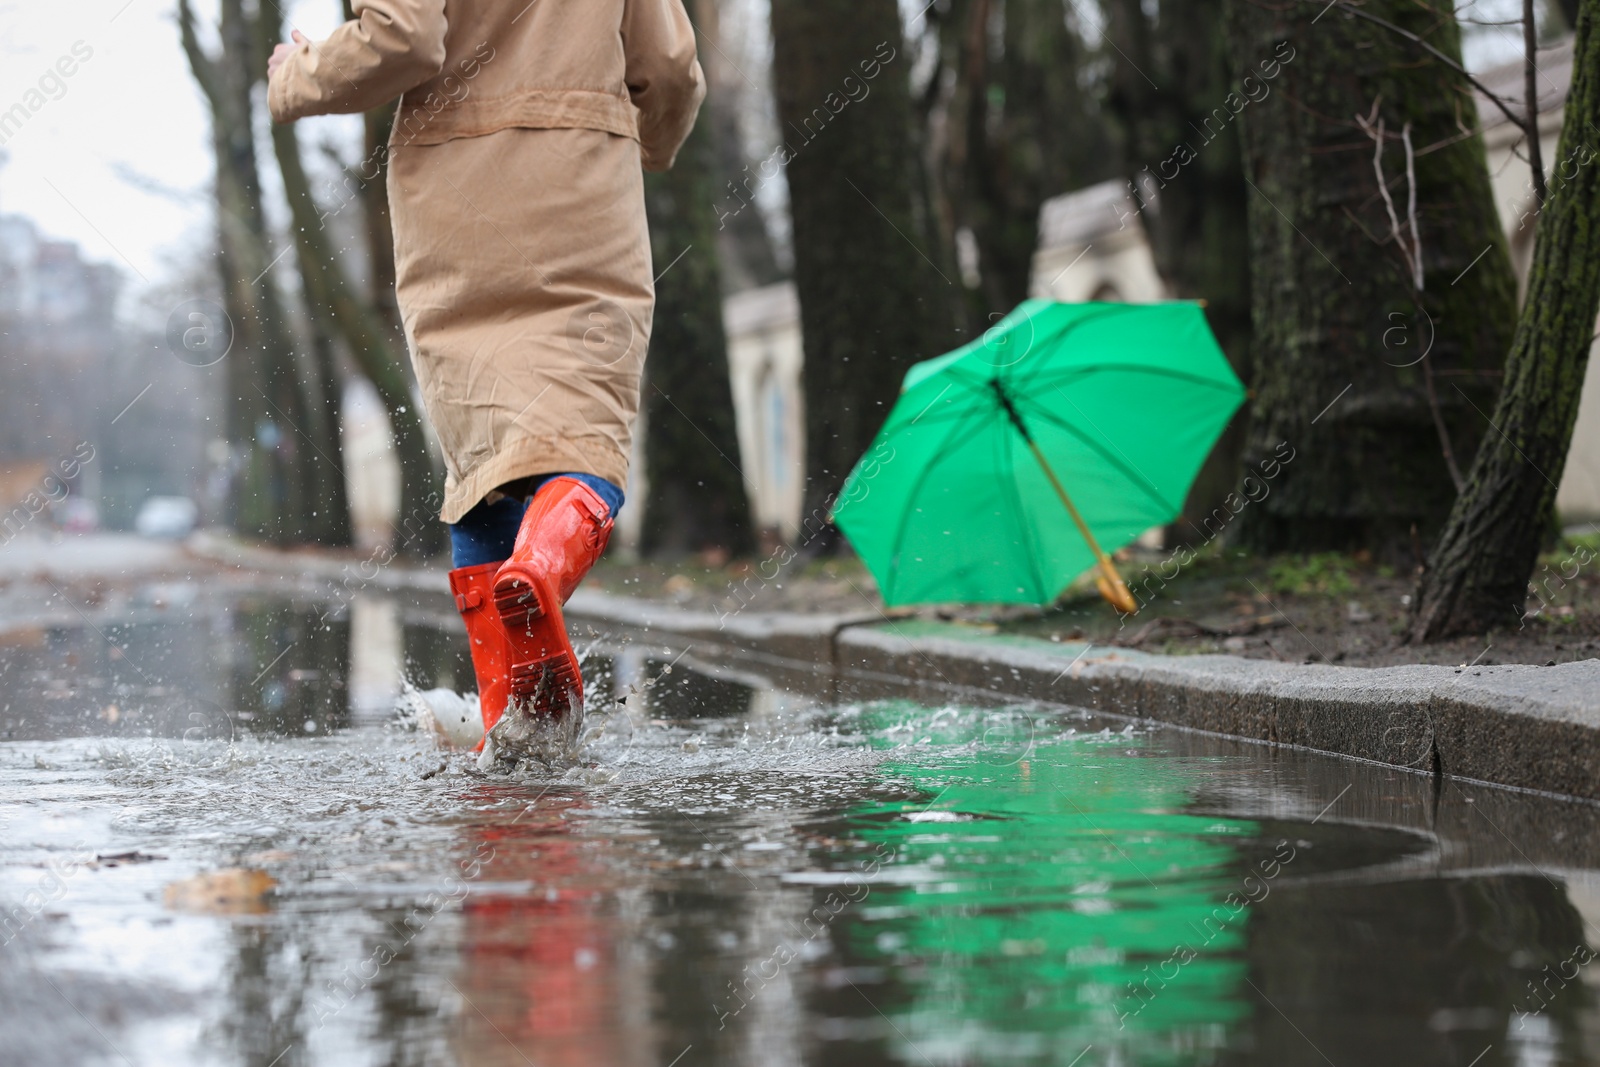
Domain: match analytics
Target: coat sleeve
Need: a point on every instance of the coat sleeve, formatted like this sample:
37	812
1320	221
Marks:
663	76
389	47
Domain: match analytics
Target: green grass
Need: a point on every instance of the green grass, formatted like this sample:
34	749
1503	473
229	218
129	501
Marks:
1325	573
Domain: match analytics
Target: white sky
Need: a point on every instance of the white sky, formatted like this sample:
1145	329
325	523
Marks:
133	109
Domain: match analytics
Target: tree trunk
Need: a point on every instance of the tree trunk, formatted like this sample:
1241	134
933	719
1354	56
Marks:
1477	575
268	398
322	473
326	486
375	218
1355	362
373	189
1007	124
363	324
1034	134
1197	229
744	245
697	497
362	328
871	300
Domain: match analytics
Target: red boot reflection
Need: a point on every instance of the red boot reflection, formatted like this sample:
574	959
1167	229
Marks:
540	973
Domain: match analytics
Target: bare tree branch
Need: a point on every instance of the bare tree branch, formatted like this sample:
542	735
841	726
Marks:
1411	207
1373	126
200	64
1530	74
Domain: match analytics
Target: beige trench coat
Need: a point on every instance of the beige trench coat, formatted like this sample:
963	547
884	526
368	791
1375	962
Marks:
521	249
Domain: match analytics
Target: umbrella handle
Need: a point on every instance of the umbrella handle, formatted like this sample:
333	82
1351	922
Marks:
1111	586
1107	580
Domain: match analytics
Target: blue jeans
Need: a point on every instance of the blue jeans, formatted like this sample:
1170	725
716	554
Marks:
487	533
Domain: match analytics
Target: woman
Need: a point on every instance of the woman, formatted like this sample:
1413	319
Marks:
523	275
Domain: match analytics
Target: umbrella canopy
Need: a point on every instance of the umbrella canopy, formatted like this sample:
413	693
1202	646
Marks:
1119	402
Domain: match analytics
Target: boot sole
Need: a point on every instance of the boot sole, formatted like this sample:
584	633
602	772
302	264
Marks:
547	678
544	673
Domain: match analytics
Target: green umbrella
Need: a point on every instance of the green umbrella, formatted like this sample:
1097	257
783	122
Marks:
1007	464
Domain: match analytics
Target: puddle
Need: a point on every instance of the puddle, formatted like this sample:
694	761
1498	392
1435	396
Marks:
221	844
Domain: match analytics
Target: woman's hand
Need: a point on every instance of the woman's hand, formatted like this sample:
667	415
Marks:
281	53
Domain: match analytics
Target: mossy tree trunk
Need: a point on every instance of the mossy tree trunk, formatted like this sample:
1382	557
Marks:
1169	71
872	302
1009	124
1035	133
748	257
323	470
337	303
372	189
1352	363
1477	574
372	181
696	499
269	399
326	487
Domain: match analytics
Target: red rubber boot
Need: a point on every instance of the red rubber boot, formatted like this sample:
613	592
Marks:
563	533
491	651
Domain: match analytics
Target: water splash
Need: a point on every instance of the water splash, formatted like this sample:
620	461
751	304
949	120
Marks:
527	736
452	717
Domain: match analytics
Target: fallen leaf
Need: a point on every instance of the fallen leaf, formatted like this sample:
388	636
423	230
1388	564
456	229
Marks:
229	891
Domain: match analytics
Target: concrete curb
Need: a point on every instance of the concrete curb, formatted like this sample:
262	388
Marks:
352	572
1528	727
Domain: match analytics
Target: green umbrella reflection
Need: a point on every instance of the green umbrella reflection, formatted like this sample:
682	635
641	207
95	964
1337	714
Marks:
1048	901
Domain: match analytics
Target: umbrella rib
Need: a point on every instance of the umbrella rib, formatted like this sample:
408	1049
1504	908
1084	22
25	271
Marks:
1061	335
1042	376
1009	443
982	384
933	419
1068	373
977	385
1133	474
977	388
945	448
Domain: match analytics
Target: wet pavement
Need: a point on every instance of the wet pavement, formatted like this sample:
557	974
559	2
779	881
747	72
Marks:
220	843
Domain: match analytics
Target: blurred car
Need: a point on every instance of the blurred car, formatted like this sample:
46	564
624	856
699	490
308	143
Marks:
78	515
167	516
